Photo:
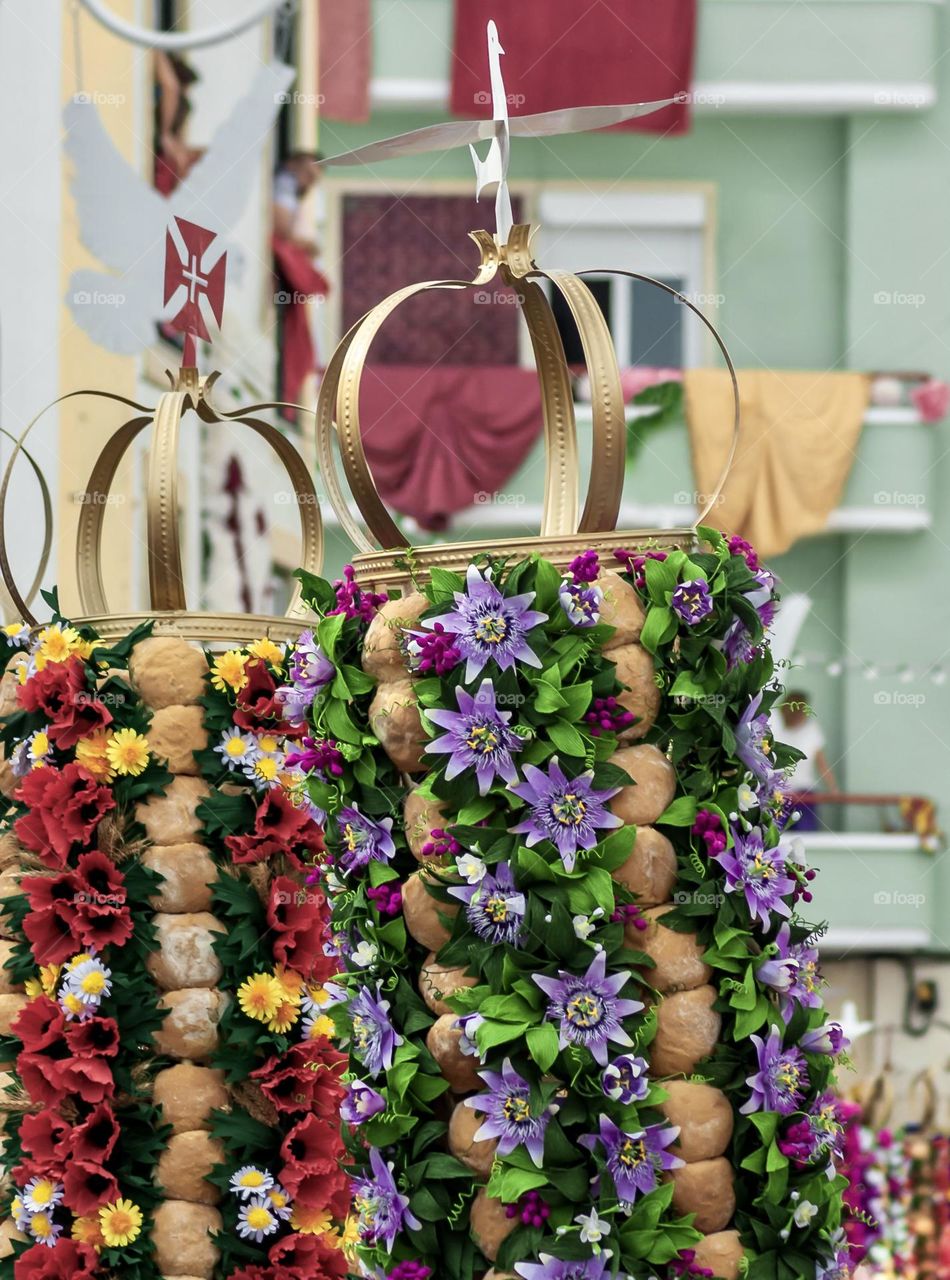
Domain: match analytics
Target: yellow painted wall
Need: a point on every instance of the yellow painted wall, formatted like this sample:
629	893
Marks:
113	69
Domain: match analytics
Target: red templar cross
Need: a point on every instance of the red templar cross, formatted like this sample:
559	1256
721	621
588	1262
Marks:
190	272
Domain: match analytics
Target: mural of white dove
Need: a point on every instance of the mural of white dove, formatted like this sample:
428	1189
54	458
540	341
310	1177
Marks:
123	220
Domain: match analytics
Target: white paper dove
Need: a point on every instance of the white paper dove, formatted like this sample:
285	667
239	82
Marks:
122	220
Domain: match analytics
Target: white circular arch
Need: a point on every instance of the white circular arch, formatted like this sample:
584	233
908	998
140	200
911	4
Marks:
171	41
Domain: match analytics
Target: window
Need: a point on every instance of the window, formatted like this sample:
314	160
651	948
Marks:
655	233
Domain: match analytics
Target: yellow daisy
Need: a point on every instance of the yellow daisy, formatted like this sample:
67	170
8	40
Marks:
287	1013
311	1222
128	752
260	996
321	1027
77	961
268	651
33	988
49	978
228	671
92	754
349	1238
291	981
87	1231
56	644
120	1223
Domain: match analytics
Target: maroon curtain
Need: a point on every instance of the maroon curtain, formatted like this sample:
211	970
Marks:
345	59
559	53
438	439
297	280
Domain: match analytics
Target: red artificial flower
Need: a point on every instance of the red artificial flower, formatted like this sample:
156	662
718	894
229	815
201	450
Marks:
297	915
87	1078
65	807
65	1260
41	1078
279	828
39	1025
104	918
313	1256
257	704
324	1193
305	1078
50	925
313	1146
44	1136
61	692
94	1140
93	1037
87	1186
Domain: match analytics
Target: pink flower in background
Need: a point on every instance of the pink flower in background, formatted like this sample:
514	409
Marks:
931	399
638	378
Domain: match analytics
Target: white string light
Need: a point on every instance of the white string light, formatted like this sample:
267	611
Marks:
904	673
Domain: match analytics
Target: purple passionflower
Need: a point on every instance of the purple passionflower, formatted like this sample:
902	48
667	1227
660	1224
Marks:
374	1037
819	1135
754	740
692	600
781	1080
634	1160
361	1103
551	1268
508	1113
791	969
364	840
478	737
737	644
581	604
760	873
381	1210
778	967
566	811
489	626
626	1079
588	1008
828	1039
468	1025
310	668
493	906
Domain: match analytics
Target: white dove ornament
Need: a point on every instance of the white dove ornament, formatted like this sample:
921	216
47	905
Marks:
123	220
491	174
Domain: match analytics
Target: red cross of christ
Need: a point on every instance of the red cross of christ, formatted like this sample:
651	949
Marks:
198	282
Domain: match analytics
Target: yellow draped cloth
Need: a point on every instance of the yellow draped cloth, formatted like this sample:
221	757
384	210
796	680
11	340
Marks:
798	439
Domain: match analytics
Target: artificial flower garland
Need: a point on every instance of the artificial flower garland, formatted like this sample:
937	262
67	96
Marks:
492	947
85	1139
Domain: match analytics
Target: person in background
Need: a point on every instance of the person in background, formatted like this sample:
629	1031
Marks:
801	730
173	157
297	278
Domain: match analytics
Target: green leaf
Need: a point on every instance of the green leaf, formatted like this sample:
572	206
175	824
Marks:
566	738
339	724
681	813
659	627
547	698
543	1045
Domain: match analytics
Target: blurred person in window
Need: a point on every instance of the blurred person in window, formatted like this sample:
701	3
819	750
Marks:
298	280
800	729
173	157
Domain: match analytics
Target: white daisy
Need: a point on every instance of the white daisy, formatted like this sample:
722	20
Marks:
236	749
251	1182
257	1219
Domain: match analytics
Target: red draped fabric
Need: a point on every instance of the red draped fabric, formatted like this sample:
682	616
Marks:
345	59
297	279
559	53
439	438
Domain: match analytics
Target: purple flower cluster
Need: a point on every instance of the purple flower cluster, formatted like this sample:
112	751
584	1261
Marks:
819	1135
532	1210
386	898
606	715
412	1270
684	1264
634	564
692	601
739	547
585	567
434	652
708	826
629	913
441	845
352	600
